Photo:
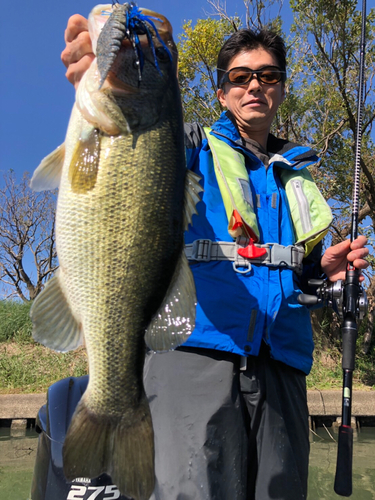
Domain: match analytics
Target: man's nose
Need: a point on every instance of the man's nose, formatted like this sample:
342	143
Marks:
254	83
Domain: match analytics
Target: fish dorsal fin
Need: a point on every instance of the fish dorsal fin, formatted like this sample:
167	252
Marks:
47	175
192	190
175	319
53	322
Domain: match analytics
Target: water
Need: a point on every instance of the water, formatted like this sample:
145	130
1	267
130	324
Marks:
17	457
323	455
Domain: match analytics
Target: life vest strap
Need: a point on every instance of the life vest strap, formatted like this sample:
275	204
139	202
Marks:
276	255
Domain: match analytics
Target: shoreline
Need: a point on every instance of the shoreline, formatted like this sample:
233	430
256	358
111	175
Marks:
321	403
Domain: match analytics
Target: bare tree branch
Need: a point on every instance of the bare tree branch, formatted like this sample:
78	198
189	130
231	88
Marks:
27	243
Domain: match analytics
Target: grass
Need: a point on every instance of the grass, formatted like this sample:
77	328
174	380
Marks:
326	372
30	367
15	321
27	367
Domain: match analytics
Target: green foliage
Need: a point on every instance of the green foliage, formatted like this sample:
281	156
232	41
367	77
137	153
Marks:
325	68
326	372
15	321
198	49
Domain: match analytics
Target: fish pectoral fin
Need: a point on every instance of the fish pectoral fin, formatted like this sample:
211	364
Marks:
122	448
192	190
47	175
53	322
175	319
84	165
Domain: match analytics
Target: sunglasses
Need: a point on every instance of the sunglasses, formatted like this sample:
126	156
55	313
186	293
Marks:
243	76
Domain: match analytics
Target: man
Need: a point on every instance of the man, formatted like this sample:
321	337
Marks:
229	408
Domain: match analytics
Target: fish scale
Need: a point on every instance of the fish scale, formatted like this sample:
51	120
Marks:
111	293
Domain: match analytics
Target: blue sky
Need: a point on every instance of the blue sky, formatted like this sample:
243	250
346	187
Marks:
35	97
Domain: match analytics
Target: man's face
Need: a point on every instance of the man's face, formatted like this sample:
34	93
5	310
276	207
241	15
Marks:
255	104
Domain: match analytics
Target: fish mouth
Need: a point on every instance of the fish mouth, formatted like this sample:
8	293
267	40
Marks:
117	86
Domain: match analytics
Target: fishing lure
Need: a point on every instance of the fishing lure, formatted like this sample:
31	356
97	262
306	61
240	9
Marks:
126	21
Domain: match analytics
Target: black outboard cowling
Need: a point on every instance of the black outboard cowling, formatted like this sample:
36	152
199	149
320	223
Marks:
52	423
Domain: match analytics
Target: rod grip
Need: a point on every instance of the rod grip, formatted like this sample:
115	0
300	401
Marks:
343	479
349	337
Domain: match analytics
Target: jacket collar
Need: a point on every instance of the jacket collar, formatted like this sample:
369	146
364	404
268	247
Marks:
226	126
296	155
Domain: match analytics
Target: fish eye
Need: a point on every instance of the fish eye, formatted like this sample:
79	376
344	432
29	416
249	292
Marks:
162	54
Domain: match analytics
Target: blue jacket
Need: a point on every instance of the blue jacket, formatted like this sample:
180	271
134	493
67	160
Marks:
236	311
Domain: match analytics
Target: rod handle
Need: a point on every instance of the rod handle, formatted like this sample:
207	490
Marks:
343	479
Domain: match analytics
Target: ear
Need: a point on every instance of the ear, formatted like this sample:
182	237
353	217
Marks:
221	96
283	93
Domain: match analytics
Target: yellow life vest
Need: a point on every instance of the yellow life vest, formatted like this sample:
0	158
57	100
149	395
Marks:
310	213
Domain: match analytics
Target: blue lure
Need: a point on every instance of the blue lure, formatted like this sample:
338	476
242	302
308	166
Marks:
126	21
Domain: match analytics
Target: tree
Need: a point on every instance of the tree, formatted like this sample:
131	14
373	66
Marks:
326	54
325	69
198	49
27	238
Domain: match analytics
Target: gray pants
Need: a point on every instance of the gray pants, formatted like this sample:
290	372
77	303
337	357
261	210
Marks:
226	434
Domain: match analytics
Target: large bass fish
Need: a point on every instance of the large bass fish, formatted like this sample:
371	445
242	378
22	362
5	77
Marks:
124	201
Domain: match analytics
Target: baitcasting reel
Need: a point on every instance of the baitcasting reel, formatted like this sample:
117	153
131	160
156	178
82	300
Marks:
334	295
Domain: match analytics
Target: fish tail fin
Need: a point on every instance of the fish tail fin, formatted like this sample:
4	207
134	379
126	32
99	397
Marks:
122	448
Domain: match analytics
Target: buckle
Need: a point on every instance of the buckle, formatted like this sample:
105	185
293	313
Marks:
201	250
281	256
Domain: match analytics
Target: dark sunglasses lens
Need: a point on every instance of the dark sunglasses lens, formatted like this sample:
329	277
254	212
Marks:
239	76
270	76
242	76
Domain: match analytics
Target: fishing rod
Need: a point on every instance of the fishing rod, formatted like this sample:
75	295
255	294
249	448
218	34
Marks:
350	302
353	294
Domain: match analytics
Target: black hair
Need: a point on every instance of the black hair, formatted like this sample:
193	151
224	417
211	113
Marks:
246	39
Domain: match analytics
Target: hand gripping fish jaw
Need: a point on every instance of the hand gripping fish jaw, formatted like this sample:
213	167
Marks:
127	22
